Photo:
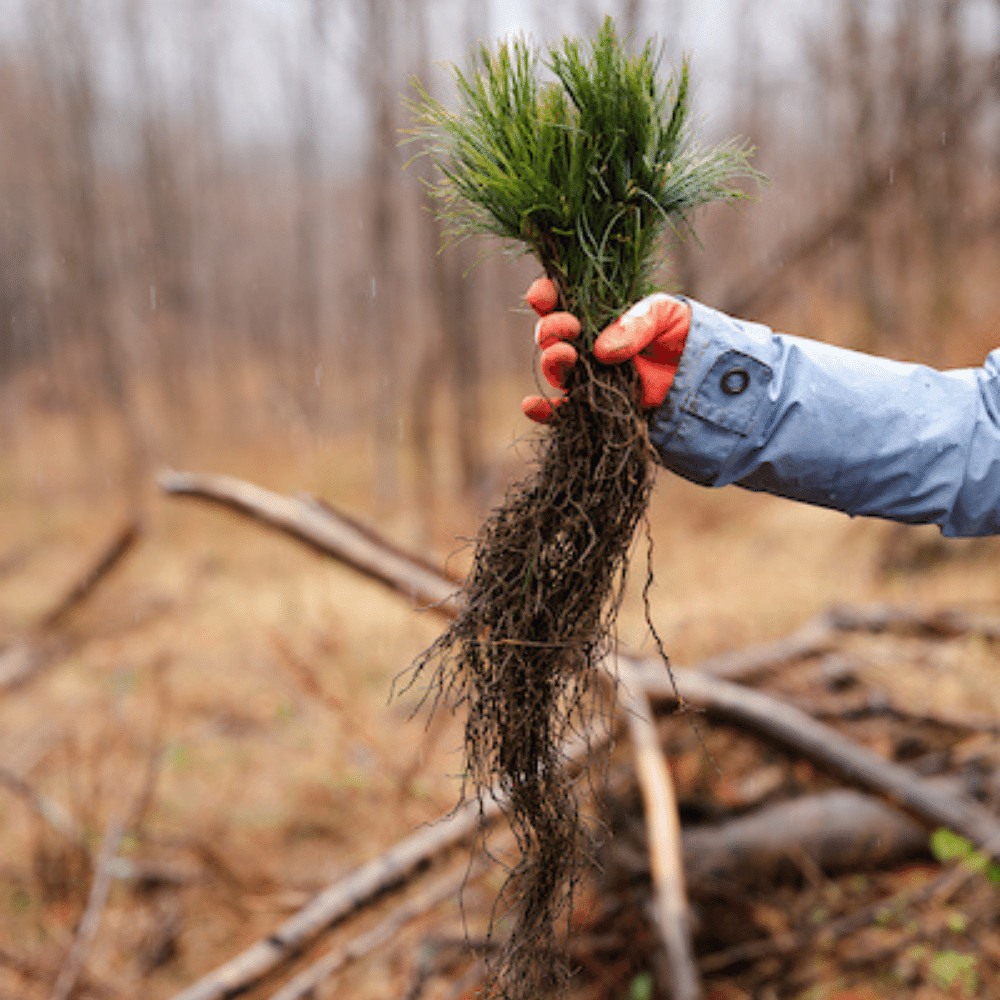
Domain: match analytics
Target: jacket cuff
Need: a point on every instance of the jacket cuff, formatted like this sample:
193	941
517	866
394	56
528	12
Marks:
718	396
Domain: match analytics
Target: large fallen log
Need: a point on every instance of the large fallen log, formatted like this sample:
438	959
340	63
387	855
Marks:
837	831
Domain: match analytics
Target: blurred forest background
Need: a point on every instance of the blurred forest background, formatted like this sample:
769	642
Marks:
209	236
213	257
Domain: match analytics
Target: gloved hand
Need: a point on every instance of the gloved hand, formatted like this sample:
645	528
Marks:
652	334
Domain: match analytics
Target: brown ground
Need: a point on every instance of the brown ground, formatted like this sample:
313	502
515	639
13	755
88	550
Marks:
252	678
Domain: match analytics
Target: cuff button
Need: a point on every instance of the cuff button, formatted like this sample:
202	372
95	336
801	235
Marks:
735	381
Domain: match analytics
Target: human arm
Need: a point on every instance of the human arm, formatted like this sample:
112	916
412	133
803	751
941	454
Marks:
833	427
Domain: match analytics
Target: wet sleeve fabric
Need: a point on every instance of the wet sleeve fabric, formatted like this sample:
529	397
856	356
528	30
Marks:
833	427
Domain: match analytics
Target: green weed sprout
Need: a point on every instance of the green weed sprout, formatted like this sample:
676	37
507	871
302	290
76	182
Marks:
587	172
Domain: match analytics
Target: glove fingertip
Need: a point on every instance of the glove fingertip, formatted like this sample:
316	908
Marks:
537	408
542	296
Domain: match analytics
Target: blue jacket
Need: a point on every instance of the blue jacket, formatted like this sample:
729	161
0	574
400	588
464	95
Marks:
834	427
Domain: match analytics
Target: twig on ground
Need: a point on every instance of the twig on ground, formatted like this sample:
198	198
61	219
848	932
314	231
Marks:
87	929
26	658
943	623
339	901
446	887
670	906
938	891
47	809
111	555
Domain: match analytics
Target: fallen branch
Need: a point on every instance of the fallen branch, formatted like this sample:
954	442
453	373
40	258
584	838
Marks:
87	929
840	830
325	530
761	713
446	887
364	549
24	659
46	809
670	905
942	623
339	901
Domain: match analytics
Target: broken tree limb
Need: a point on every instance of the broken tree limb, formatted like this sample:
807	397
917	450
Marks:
339	901
325	530
824	746
28	656
46	809
840	830
370	554
350	894
90	922
444	888
941	623
663	830
360	546
364	549
367	552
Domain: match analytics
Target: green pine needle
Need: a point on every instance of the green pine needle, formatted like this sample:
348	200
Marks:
586	172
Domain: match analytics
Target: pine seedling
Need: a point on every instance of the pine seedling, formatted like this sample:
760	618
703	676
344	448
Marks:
587	171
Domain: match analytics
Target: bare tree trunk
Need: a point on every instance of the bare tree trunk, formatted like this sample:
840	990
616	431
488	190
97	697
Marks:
307	359
945	204
385	317
858	43
169	299
426	383
90	309
204	322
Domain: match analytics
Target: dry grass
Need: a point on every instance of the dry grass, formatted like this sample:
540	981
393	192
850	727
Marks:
256	676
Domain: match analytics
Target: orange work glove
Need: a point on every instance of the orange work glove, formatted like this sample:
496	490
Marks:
652	334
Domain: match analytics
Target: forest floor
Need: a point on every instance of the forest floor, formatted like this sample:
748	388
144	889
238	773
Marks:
230	692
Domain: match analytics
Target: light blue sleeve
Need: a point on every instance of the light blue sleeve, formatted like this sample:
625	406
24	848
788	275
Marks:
833	427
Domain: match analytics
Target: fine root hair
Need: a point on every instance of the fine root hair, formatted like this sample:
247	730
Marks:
540	605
